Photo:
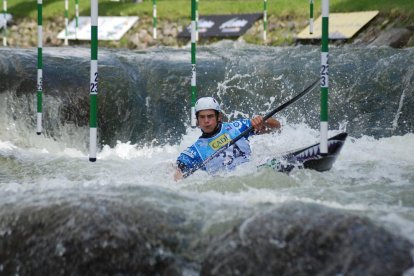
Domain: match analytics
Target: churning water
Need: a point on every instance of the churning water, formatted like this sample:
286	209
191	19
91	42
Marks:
124	214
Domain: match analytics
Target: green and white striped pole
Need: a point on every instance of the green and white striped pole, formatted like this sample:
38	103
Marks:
193	62
93	82
5	23
39	66
196	19
324	77
311	16
154	18
66	21
265	21
76	18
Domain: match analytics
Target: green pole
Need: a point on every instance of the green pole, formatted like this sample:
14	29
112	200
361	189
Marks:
66	21
193	62
196	19
265	21
5	23
93	82
311	16
154	18
324	77
76	18
39	67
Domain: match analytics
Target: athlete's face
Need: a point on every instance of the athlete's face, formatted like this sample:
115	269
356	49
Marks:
207	120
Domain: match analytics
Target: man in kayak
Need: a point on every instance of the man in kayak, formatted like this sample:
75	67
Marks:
216	134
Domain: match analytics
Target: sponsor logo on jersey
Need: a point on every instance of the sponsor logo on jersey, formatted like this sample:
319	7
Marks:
220	141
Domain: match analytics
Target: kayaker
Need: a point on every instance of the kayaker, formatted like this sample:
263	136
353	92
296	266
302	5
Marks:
215	134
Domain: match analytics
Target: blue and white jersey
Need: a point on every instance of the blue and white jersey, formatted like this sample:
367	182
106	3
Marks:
203	148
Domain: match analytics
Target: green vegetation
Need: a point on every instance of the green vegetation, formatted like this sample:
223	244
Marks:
180	9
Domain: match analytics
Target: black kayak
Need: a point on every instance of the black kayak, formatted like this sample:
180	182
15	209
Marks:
308	157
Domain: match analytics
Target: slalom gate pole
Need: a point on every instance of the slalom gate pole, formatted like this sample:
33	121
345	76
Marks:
93	82
154	19
265	21
66	21
196	19
193	63
39	66
311	16
5	23
76	18
324	77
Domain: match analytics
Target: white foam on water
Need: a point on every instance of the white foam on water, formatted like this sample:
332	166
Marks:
371	176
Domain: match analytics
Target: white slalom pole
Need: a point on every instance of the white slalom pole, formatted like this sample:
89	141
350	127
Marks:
324	77
5	23
193	63
39	66
93	82
196	19
66	21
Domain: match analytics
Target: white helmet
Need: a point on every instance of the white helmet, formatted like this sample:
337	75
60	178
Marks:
205	103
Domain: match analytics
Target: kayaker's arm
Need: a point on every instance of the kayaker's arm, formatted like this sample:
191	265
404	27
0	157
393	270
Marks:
179	171
178	175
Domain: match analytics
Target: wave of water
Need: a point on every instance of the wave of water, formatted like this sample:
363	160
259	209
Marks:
371	178
50	191
144	97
